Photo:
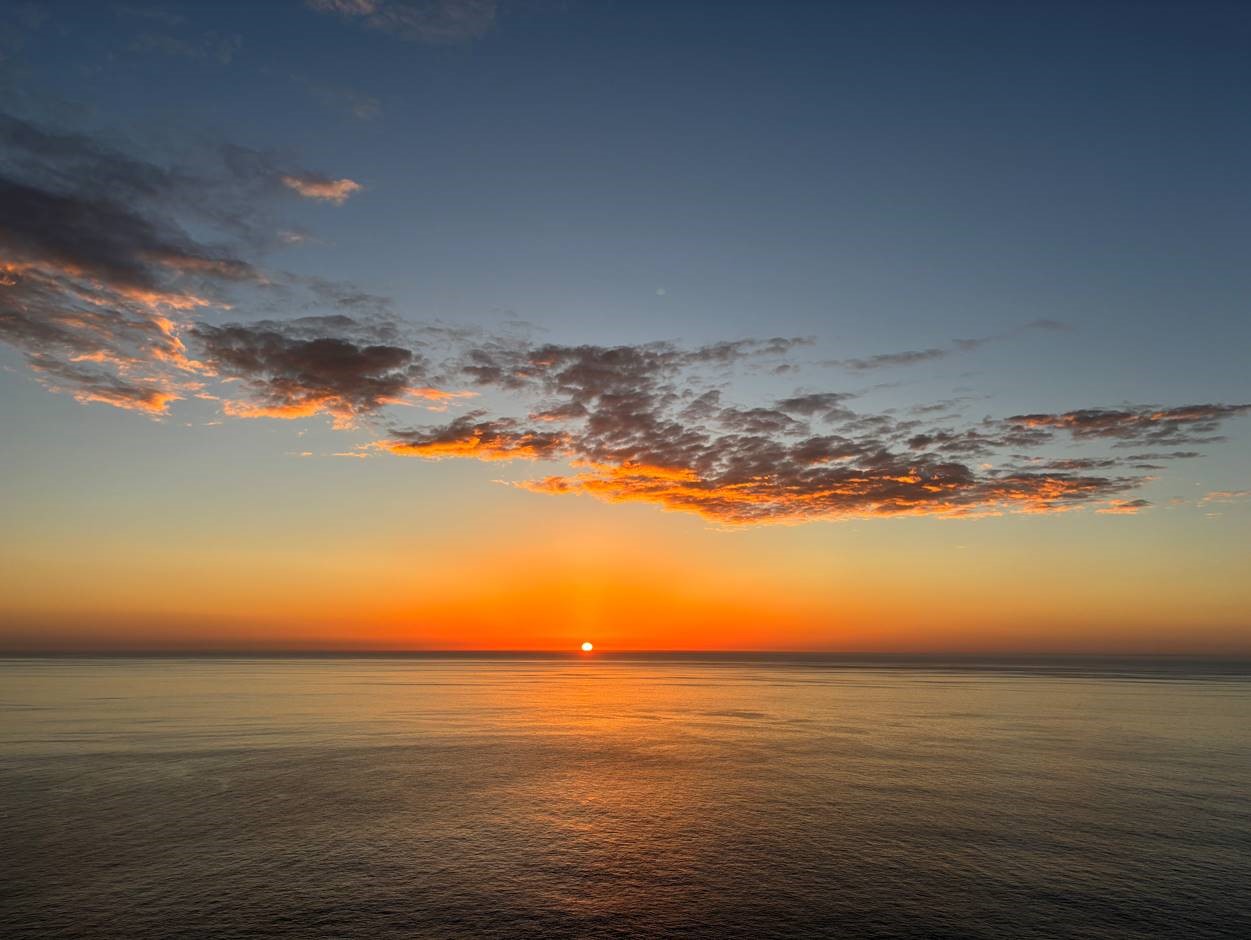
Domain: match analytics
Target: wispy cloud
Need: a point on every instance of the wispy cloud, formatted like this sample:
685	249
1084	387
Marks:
1129	507
1226	496
910	357
425	21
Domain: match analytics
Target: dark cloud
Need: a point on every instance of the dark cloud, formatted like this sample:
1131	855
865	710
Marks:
827	405
725	353
99	276
1137	426
103	241
224	185
1045	324
1170	455
308	366
971	442
937	406
884	360
584	372
1072	464
916	356
758	421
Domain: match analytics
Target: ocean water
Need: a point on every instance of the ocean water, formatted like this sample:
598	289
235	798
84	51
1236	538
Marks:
622	796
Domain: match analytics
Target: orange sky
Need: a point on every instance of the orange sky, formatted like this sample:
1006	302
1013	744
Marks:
398	564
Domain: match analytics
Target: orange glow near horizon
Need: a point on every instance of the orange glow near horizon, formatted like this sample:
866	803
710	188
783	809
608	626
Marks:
461	564
741	592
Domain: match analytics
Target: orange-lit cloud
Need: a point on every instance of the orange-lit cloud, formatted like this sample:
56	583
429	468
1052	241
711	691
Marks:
636	425
152	401
1124	508
293	369
499	439
322	188
1226	496
853	493
305	408
99	279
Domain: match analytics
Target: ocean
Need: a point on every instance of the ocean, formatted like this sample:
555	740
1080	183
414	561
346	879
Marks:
624	796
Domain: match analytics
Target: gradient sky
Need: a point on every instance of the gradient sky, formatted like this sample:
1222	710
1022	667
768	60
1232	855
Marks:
507	324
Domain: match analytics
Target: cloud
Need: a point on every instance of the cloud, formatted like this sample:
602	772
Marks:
424	21
294	369
312	186
867	486
638	423
1069	464
1124	507
1139	425
467	436
104	243
1226	496
99	276
87	290
1170	455
643	423
916	356
828	405
884	360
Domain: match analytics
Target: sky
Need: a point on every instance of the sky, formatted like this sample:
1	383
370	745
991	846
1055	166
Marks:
510	324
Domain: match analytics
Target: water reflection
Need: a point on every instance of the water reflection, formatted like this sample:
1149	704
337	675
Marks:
606	796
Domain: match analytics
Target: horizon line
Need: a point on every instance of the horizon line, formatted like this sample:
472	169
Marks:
612	653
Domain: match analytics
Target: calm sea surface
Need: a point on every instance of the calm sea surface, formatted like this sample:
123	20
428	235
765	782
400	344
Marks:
613	797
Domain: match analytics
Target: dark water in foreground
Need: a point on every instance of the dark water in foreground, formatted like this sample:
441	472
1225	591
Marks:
559	797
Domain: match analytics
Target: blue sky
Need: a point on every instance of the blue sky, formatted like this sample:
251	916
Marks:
1063	184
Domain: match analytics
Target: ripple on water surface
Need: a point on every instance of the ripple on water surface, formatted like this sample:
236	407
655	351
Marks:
747	797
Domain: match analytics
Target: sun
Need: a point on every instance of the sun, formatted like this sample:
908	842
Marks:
588	646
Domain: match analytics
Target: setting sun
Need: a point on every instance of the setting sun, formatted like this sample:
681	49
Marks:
587	646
